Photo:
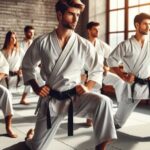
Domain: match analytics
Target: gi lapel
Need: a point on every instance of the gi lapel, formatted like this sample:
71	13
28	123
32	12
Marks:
140	58
64	54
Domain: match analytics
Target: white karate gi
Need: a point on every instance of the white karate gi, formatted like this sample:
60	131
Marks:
14	60
46	49
135	60
5	96
112	79
24	45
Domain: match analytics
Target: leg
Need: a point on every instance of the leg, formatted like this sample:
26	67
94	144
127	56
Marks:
6	105
89	122
101	146
125	108
43	136
24	95
117	83
8	122
99	108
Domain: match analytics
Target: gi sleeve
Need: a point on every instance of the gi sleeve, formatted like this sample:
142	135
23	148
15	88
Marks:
30	61
116	56
4	66
94	66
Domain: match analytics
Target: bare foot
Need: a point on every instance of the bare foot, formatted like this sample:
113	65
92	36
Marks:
11	133
24	102
102	146
30	134
88	122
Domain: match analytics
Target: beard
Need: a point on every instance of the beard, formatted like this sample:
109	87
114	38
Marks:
95	35
68	26
29	37
143	32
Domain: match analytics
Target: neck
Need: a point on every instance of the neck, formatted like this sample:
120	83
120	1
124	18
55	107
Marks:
92	40
10	47
140	38
63	33
63	36
27	40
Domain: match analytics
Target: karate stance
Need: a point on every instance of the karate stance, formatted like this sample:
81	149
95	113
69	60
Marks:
24	45
13	55
63	55
104	50
134	53
6	98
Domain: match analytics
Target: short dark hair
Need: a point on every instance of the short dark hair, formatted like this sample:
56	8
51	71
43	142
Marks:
28	27
63	5
92	24
140	17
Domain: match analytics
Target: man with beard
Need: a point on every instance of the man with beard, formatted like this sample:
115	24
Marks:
134	54
104	50
24	45
63	55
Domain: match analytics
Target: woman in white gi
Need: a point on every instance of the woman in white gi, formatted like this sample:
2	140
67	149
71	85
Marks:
13	56
6	98
134	53
63	55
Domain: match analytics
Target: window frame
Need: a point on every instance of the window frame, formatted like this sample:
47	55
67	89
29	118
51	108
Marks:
126	8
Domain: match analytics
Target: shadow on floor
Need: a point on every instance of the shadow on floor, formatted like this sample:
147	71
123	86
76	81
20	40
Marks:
18	146
19	120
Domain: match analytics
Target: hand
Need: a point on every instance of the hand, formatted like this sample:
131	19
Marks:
83	78
81	89
129	77
106	69
44	91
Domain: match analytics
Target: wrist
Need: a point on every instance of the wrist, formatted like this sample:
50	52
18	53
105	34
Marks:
34	85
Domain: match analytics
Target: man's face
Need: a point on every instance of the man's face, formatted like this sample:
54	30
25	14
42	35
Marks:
70	18
94	31
30	34
144	27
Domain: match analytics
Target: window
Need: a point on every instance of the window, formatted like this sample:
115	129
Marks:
120	17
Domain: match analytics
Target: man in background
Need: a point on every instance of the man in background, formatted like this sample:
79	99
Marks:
24	45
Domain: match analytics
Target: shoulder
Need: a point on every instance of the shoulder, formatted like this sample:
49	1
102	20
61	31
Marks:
104	44
42	37
124	44
84	42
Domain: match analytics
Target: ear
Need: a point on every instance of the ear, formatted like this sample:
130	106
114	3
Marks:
136	25
89	32
59	15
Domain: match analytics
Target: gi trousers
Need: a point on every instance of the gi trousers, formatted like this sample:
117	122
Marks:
97	107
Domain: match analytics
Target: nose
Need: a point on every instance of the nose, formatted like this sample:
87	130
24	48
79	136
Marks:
75	18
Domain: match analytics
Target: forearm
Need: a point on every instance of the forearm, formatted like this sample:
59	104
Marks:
34	85
117	71
2	75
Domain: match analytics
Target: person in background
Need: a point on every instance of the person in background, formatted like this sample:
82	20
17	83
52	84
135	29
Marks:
13	55
104	50
6	98
29	32
134	54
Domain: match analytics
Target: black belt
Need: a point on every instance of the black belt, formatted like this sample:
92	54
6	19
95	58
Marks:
61	96
139	81
11	74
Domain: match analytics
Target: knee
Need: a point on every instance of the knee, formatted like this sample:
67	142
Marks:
105	100
4	92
